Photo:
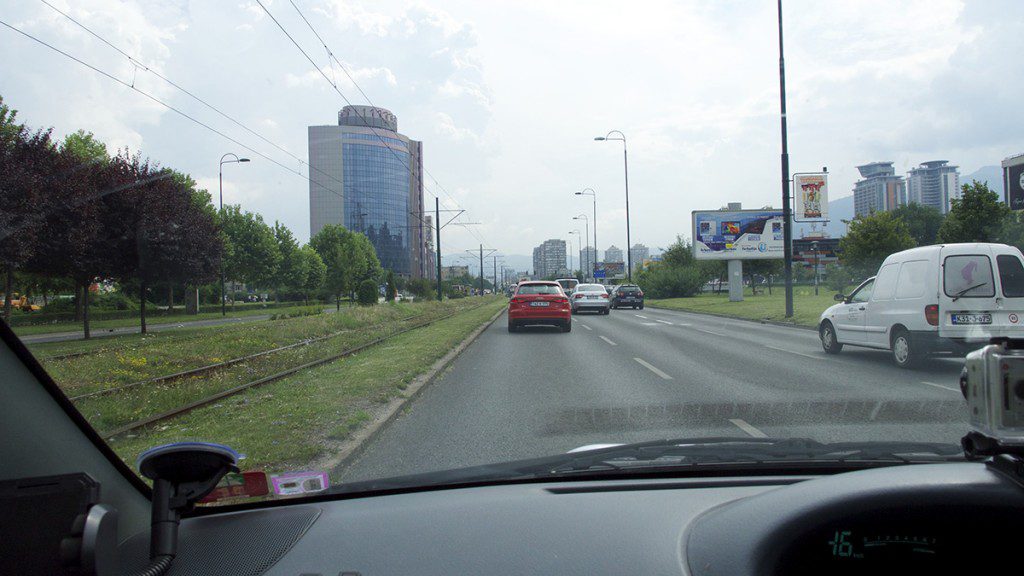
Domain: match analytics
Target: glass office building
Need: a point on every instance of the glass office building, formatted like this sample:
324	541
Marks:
366	176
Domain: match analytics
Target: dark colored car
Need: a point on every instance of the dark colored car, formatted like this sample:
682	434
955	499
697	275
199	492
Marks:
628	296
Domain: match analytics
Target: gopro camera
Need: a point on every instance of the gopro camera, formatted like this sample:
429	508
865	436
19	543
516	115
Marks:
993	383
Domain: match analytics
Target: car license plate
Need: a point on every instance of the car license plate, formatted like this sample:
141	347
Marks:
592	297
539	303
961	319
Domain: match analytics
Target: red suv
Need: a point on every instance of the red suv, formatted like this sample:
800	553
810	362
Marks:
539	303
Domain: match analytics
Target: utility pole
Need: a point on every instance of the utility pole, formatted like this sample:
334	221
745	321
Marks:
787	225
437	225
489	252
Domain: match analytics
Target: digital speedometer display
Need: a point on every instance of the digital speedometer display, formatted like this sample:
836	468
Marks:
856	546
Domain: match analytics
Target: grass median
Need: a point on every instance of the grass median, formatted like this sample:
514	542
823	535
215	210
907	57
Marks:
289	423
807	307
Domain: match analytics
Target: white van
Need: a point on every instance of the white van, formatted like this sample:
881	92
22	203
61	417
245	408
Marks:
938	298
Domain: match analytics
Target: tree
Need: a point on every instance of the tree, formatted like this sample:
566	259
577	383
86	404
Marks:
367	293
330	243
315	271
290	275
922	222
977	216
421	288
391	290
870	239
251	250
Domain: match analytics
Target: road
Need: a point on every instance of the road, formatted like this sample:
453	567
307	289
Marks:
647	374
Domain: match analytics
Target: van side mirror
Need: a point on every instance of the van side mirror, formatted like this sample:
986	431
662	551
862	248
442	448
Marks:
839	298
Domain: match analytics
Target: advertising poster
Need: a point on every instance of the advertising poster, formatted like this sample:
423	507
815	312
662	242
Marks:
1014	183
810	197
737	234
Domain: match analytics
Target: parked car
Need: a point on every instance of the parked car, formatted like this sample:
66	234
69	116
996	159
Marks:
590	297
950	297
629	296
539	303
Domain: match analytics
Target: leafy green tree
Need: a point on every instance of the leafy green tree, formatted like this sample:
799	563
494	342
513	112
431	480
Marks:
315	271
977	216
922	222
665	281
838	277
421	288
366	295
290	275
870	239
392	289
251	253
86	147
332	244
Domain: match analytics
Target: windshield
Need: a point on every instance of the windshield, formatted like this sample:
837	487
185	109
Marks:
339	237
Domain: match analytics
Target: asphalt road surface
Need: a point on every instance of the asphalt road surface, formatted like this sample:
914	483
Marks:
638	375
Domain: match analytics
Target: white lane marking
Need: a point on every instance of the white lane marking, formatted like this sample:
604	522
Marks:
663	322
746	427
794	352
710	332
587	327
607	340
640	316
653	369
648	323
950	388
875	411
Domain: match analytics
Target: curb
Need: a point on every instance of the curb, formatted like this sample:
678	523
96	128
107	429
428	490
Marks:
770	322
354	447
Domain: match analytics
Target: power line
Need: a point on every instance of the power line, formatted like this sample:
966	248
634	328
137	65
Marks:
147	68
331	56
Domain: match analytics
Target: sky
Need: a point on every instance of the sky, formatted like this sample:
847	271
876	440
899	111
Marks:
507	97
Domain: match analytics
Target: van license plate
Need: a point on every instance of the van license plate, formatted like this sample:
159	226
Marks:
961	319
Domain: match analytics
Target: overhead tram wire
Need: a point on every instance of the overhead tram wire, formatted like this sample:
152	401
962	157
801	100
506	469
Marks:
331	56
135	62
168	106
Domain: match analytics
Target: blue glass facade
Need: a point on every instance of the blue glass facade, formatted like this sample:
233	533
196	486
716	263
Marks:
376	191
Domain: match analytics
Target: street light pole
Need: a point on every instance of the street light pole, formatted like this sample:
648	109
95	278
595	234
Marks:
587	226
590	192
814	246
625	165
220	182
787	225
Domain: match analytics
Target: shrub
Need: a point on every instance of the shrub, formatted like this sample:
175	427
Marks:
671	282
366	295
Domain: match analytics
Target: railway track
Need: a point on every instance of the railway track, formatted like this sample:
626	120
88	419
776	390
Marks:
186	408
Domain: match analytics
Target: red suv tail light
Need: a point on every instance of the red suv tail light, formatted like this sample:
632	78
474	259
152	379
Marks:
931	314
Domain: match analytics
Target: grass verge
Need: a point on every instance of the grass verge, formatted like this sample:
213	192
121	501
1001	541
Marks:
287	424
807	307
101	325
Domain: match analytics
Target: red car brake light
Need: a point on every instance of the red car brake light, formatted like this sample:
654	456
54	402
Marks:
577	295
563	300
605	295
931	314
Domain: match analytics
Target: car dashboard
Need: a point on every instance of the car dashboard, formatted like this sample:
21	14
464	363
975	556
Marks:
934	519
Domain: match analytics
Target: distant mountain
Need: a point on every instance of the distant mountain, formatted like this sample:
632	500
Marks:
838	210
991	174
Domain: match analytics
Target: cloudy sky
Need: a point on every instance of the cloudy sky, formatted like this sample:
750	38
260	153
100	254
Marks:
507	97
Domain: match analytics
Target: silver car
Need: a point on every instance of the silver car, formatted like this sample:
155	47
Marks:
590	297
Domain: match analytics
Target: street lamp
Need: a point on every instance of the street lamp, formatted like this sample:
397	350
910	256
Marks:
590	192
220	180
587	265
625	164
814	246
571	232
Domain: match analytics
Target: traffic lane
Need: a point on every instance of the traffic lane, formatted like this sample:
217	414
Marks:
785	394
801	341
511	396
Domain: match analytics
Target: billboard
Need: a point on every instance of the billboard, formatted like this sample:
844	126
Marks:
737	234
609	270
810	197
1013	183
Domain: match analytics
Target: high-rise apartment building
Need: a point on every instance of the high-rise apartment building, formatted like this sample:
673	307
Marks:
934	184
613	254
880	190
588	256
549	259
637	254
366	176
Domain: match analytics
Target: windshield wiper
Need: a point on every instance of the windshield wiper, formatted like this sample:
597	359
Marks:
734	453
966	290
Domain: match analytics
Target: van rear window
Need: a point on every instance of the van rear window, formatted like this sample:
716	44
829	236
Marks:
968	276
1011	275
